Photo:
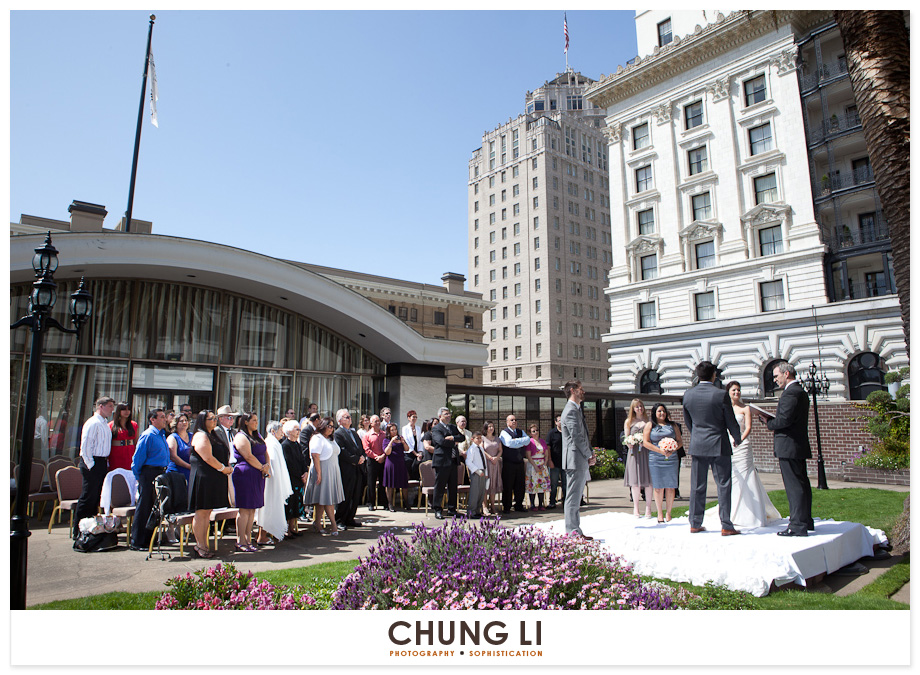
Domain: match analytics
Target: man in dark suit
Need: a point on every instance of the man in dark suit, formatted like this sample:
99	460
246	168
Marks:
444	437
306	433
351	458
792	448
709	417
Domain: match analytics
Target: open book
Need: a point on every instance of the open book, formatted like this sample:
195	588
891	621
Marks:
760	410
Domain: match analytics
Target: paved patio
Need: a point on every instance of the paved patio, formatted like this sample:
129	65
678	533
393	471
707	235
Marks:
57	572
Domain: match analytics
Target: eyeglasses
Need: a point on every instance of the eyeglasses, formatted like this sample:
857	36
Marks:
211	418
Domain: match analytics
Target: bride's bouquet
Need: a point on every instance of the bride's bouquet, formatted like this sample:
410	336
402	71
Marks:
634	439
668	445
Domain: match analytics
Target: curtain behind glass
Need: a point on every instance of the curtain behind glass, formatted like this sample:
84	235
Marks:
108	331
178	323
258	335
267	394
19	307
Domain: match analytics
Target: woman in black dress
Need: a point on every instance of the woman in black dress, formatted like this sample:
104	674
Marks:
208	478
297	469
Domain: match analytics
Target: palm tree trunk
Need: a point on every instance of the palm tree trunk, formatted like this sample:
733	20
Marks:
877	46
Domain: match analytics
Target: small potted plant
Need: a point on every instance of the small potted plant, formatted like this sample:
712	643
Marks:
893	380
825	184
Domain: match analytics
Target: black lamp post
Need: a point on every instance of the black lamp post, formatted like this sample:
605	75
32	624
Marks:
39	320
814	385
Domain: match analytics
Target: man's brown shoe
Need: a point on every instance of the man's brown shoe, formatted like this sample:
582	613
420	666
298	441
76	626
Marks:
728	533
694	530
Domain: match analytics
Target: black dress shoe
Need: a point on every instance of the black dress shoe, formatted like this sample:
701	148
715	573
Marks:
452	512
790	533
520	508
439	515
552	506
137	548
353	523
371	507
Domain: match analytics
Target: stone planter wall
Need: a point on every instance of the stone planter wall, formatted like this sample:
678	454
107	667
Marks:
860	474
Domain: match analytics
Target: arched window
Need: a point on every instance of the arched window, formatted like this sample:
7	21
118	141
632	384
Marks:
650	382
770	390
866	373
694	380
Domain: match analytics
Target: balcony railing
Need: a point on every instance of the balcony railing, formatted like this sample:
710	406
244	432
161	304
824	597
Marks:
833	125
824	72
844	180
847	237
868	290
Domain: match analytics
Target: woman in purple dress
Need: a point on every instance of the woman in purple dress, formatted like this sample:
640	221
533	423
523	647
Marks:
248	477
395	474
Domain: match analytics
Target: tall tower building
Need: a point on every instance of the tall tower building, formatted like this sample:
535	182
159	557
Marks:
539	239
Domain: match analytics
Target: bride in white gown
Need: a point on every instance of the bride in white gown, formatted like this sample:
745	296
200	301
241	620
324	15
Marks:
751	506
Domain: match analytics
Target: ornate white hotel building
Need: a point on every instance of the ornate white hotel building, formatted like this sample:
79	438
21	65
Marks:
539	239
745	222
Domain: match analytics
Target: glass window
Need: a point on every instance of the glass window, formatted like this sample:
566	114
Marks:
664	33
705	255
761	138
702	206
771	240
650	382
699	160
765	189
439	318
770	389
705	306
865	374
646	220
755	90
649	266
771	296
647	318
255	334
693	115
643	179
641	137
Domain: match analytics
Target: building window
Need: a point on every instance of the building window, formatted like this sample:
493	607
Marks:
539	349
664	33
494	375
699	160
536	243
755	90
517	249
770	390
539	371
646	221
518	352
641	137
650	382
504	252
536	263
517	227
771	296
504	353
537	306
865	374
647	318
517	289
468	322
771	240
392	309
517	269
538	327
504	332
702	206
517	309
765	189
505	374
518	373
413	314
649	267
403	313
705	306
705	255
761	138
493	335
439	318
644	178
467	373
517	330
693	115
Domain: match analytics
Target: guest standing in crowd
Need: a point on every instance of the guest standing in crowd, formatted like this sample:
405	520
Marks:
226	418
180	447
271	517
95	447
324	483
124	438
493	450
208	478
249	474
297	473
556	477
637	475
364	425
536	479
663	464
467	435
312	409
445	437
306	433
351	461
577	456
476	466
412	432
150	459
373	449
513	442
395	475
427	445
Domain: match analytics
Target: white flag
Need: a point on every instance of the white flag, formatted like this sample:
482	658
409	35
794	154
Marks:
154	91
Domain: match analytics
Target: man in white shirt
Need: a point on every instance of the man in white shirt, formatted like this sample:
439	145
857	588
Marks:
412	432
312	409
476	465
95	446
513	442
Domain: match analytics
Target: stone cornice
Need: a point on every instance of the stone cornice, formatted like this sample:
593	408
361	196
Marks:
684	53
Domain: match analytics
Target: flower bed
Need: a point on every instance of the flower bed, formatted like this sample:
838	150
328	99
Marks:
485	566
223	587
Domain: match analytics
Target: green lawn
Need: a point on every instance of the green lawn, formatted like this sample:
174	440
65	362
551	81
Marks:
872	507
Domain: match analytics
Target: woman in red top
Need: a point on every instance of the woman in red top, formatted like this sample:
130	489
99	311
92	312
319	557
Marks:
124	438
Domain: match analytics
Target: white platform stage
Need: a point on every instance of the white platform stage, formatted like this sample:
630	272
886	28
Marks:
754	561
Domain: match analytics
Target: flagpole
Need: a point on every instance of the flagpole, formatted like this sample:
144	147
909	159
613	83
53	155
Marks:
137	135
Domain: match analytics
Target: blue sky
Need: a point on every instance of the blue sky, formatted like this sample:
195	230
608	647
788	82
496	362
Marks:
335	138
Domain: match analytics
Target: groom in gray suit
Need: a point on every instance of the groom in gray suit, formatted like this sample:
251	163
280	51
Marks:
576	453
709	418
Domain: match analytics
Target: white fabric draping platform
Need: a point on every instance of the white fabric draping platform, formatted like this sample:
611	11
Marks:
751	562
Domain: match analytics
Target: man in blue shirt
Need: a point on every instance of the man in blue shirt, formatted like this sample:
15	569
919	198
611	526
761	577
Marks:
150	459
